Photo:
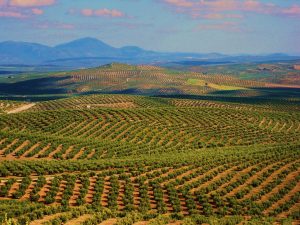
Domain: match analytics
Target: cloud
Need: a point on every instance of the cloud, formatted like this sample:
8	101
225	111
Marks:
87	12
37	11
292	11
12	14
20	14
214	9
252	5
219	5
31	3
54	25
180	3
22	9
113	13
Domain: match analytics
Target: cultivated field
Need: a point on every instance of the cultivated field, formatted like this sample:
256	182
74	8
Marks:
125	159
204	149
145	80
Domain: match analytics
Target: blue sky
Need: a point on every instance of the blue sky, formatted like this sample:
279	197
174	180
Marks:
226	26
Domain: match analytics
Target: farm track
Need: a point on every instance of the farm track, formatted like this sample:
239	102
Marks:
108	222
45	219
20	108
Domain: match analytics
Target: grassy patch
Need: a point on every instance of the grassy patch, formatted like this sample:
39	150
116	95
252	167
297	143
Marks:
202	83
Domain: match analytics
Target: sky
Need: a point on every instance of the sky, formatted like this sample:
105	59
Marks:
202	26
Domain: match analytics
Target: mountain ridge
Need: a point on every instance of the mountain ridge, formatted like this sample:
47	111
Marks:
85	49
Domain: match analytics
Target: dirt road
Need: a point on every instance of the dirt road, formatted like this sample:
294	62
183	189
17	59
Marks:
21	108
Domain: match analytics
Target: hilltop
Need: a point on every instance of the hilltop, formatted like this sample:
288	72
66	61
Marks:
117	78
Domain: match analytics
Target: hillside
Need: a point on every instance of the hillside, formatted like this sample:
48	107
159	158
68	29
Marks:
284	72
142	80
141	144
149	159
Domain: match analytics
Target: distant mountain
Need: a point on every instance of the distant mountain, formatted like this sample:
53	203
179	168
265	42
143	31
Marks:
25	53
87	47
133	51
88	52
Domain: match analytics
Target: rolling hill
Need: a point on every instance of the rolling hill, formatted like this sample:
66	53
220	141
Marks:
141	144
148	80
122	159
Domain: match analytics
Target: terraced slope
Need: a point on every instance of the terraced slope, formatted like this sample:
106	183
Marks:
122	78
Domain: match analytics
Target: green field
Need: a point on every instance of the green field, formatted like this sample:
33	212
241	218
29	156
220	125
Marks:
202	83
